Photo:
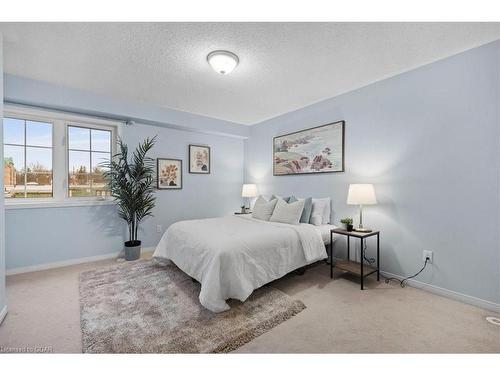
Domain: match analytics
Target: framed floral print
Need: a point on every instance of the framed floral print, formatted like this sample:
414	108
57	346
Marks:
169	173
199	159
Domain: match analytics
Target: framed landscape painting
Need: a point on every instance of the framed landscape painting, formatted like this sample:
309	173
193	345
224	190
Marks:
199	159
169	173
314	150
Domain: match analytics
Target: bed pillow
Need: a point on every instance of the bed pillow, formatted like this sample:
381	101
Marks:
328	211
286	199
263	199
288	213
306	214
320	213
263	209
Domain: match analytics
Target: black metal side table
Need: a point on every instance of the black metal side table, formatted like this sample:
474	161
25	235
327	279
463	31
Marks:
350	266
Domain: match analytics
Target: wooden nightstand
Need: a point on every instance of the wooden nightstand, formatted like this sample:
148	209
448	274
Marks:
350	266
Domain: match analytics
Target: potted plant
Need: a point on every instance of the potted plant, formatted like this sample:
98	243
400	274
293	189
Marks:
131	183
348	223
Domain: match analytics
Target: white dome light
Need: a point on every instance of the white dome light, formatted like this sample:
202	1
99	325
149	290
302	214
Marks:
223	62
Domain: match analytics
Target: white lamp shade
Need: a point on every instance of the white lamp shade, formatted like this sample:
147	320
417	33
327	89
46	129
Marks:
249	191
223	62
361	194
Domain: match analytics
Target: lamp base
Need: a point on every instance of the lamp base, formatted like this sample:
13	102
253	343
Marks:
364	230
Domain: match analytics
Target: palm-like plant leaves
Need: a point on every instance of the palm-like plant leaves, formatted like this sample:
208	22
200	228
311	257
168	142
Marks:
131	183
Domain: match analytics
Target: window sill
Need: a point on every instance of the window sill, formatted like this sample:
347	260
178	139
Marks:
55	204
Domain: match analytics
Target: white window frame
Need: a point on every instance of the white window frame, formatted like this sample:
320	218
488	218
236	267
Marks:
60	180
35	119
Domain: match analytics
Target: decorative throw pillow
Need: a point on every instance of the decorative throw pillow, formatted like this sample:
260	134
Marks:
286	199
306	214
288	213
263	209
316	215
320	213
263	199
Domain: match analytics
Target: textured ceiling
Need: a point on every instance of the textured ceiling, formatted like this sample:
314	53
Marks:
283	66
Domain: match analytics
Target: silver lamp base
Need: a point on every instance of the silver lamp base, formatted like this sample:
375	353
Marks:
360	227
365	230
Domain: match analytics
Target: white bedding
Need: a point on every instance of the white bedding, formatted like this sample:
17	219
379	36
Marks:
234	255
324	229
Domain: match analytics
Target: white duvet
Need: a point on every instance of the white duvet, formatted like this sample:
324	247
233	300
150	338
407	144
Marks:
234	255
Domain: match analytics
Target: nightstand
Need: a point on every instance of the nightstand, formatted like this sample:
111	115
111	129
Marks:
350	266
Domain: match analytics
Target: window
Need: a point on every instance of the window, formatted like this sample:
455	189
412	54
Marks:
88	148
27	158
55	157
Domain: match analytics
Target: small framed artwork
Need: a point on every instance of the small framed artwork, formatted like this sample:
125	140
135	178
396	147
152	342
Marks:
199	159
169	173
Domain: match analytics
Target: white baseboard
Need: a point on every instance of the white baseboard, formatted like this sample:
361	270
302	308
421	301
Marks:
3	314
487	305
69	262
478	302
63	263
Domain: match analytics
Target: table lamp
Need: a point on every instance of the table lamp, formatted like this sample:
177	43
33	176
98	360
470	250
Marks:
249	191
361	194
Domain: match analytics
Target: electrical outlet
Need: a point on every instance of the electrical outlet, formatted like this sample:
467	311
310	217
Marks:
427	254
158	228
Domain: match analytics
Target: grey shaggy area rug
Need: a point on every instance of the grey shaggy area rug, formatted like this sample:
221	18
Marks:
145	307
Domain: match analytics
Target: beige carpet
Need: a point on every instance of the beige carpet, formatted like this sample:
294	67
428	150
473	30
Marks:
44	311
144	307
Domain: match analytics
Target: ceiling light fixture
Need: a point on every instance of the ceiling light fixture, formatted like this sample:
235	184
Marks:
223	62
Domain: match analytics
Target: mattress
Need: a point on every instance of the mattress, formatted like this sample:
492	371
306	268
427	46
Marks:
324	230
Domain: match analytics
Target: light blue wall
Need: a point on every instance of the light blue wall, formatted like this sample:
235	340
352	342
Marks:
216	194
2	212
48	235
429	141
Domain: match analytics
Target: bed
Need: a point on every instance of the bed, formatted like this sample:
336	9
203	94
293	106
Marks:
232	256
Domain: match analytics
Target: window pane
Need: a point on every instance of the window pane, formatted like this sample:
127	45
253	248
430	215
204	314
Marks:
38	159
99	186
79	174
101	140
38	172
79	185
78	138
98	181
97	159
14	171
13	131
39	185
38	134
88	148
79	162
14	155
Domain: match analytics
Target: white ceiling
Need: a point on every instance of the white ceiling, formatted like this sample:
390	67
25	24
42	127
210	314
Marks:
283	66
